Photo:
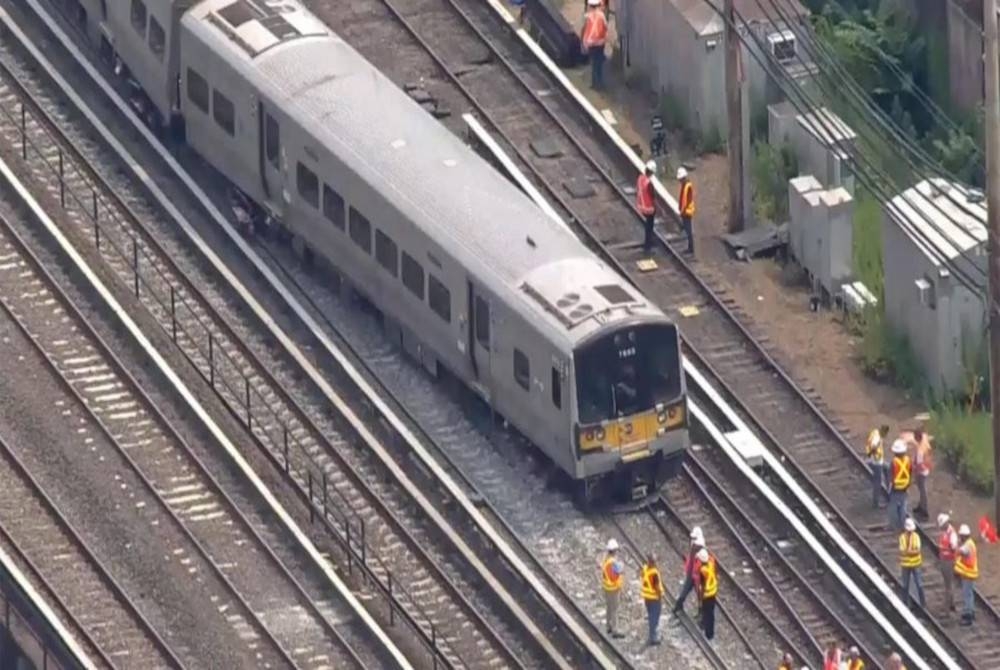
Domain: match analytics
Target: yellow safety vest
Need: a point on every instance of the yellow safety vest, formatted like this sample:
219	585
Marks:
856	664
901	467
873	447
910	555
611	582
648	591
967	564
709	579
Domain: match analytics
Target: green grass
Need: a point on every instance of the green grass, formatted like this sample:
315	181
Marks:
965	439
867	252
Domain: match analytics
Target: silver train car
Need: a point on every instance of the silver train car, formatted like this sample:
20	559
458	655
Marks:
469	276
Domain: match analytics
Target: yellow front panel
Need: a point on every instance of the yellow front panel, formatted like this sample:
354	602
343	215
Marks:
633	432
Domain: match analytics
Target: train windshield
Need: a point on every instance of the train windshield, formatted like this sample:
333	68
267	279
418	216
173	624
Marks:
627	372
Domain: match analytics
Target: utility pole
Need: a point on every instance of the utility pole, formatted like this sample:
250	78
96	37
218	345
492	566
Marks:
991	71
734	114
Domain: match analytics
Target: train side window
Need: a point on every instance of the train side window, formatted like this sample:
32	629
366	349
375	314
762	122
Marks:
157	38
361	230
333	207
138	15
385	252
272	141
522	369
224	112
197	89
483	323
556	389
413	275
439	298
308	185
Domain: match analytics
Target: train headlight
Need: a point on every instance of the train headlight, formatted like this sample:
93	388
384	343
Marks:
600	433
661	417
589	436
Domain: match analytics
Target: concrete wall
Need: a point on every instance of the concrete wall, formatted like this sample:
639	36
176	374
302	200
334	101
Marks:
935	334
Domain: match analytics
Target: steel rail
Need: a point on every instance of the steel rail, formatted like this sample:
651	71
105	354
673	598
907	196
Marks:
706	648
88	330
310	497
716	301
186	286
21	471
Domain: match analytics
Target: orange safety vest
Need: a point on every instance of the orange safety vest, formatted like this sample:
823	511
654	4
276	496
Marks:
924	460
611	581
595	29
967	565
856	664
686	199
832	660
709	579
910	555
901	468
644	196
947	543
649	592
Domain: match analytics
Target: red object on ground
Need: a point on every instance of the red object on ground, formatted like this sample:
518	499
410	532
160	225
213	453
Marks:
987	531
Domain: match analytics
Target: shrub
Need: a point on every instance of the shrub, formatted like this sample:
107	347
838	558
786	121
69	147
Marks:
887	356
711	141
964	438
771	168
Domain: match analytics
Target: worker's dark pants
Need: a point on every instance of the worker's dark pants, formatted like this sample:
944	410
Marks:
686	226
597	67
653	608
922	488
708	617
647	241
686	589
879	478
913	574
897	509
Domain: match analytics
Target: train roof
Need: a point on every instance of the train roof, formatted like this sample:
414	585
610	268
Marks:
427	173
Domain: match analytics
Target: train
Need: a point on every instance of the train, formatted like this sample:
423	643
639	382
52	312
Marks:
470	278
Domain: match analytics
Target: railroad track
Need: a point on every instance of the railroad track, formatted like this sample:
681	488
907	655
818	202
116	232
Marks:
99	614
329	459
247	580
456	55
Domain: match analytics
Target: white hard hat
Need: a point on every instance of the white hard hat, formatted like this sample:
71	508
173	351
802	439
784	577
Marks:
909	524
612	544
853	651
696	533
702	555
964	530
681	173
594	3
899	447
651	166
943	519
698	541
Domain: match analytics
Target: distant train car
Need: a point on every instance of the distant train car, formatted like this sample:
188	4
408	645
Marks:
468	274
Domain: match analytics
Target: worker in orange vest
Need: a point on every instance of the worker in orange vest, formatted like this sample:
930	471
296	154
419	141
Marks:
685	206
854	661
831	659
947	548
652	596
592	39
691	568
900	476
875	457
922	466
708	587
911	558
612	578
967	571
786	662
645	202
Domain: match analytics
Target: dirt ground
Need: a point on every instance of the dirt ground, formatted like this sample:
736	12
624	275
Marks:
815	346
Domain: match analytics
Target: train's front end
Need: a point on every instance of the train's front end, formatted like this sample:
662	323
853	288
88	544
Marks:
631	425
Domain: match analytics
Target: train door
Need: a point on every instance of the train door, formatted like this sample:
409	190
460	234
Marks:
271	160
479	334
